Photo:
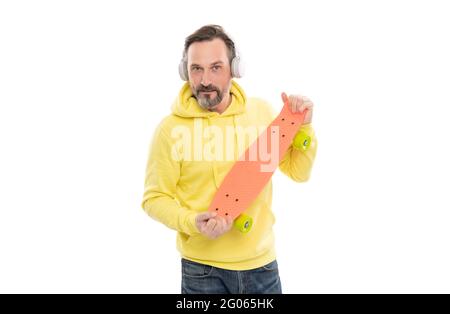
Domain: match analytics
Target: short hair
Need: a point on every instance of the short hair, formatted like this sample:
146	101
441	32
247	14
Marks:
208	33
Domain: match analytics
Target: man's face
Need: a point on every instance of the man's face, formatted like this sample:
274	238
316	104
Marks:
209	72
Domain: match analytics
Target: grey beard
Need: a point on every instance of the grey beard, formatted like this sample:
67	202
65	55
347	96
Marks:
207	103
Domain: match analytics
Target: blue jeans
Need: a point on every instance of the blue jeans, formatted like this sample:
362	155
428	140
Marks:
204	279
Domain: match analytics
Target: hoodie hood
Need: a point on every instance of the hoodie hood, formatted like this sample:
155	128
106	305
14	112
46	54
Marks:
186	104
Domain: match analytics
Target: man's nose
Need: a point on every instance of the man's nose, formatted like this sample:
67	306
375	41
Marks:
205	79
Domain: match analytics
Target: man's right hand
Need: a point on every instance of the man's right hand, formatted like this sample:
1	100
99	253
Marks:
211	225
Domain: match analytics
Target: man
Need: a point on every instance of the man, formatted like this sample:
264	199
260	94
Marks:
192	151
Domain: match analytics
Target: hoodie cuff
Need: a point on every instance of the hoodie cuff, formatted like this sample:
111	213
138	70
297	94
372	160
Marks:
190	223
307	128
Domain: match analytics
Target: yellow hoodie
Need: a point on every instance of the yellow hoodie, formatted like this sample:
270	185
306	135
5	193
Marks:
178	185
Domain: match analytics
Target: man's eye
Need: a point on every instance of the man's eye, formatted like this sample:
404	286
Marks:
216	67
195	68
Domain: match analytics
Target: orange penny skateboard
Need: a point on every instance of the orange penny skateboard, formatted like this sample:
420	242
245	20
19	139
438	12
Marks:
251	172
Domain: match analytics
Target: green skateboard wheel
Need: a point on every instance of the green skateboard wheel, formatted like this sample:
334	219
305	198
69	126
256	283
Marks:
302	141
243	223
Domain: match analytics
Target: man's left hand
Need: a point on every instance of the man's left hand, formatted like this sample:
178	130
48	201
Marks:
299	103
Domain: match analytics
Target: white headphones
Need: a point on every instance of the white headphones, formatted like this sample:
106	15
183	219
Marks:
237	67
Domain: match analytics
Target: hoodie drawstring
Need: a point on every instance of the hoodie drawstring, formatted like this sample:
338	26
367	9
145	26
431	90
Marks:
236	150
236	142
215	175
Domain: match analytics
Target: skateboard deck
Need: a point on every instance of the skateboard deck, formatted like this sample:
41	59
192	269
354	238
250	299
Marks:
250	173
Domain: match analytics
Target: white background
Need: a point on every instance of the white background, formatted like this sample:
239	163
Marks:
83	84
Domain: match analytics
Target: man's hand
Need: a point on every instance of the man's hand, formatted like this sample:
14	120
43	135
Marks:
298	103
212	225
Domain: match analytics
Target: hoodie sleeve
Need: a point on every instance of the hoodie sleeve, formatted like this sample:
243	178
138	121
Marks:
161	178
297	164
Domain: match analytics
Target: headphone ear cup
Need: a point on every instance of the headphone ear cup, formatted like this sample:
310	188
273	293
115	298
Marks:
237	67
182	70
